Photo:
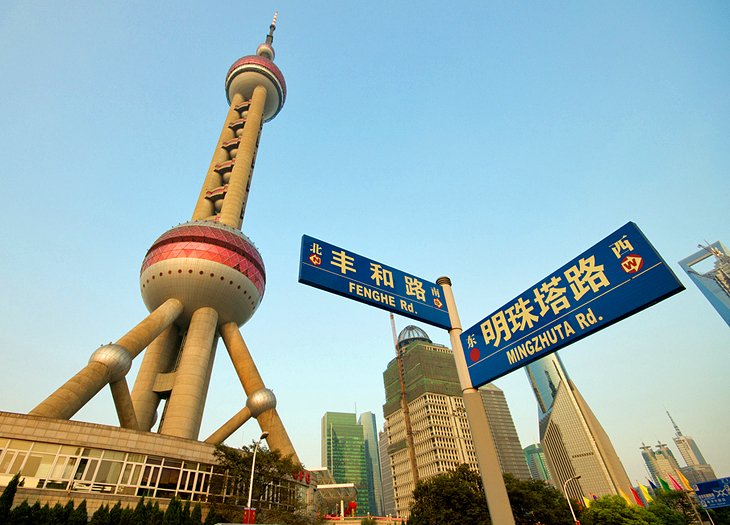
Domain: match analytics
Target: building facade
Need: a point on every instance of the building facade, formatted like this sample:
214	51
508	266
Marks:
343	453
441	435
714	283
386	475
697	470
537	463
372	462
572	439
660	462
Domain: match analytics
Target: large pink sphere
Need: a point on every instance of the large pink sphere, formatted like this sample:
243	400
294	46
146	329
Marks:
250	71
204	263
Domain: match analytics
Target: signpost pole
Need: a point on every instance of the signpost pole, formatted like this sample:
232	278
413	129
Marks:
499	507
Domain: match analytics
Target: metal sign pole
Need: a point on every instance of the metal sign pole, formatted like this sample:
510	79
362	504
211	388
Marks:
499	508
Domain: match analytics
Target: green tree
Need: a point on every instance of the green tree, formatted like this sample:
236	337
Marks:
213	517
678	502
40	514
7	497
101	516
173	514
80	515
535	501
115	514
455	497
139	516
21	515
196	515
613	510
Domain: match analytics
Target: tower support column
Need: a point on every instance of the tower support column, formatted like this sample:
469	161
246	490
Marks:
251	380
184	411
240	182
204	207
77	391
158	358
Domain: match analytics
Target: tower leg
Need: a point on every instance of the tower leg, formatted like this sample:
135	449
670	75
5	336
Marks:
123	404
159	358
184	411
229	427
250	378
77	391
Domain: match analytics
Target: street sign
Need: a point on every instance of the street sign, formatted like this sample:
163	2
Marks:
714	494
350	275
619	276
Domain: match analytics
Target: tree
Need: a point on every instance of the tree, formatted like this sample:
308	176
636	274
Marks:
213	517
534	501
80	515
173	514
101	516
455	497
675	506
196	516
613	510
7	497
21	515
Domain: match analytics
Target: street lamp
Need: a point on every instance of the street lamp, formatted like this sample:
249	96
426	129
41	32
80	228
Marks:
565	491
248	515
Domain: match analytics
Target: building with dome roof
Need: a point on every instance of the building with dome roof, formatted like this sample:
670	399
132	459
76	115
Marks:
441	435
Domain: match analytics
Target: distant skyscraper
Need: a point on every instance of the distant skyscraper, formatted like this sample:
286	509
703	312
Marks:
714	283
441	433
537	463
697	469
660	462
372	463
387	475
343	452
572	439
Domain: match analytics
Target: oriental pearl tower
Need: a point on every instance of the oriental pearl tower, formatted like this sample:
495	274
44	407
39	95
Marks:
200	281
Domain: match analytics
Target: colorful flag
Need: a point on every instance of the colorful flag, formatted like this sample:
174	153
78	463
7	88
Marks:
625	497
675	485
637	498
651	484
664	484
586	502
645	492
685	481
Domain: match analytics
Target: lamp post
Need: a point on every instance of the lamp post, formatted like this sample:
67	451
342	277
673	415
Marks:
249	516
565	491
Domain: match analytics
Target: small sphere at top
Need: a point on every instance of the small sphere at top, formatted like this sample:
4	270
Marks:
266	51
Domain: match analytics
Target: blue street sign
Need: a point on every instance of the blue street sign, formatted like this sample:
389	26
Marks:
714	494
619	276
350	275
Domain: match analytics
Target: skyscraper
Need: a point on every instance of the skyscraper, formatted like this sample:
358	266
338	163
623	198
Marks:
343	452
536	462
715	282
372	462
200	281
441	433
387	475
572	439
660	462
697	470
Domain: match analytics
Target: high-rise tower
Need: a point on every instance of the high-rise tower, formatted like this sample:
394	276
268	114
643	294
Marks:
201	280
441	432
572	439
697	469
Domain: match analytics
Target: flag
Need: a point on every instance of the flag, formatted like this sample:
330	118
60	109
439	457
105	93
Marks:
637	498
586	502
625	497
675	485
645	493
685	481
651	484
664	484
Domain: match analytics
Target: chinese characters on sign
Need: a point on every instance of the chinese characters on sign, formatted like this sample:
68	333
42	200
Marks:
346	273
617	277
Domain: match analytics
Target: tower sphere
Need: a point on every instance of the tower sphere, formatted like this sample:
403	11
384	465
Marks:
253	70
116	358
204	264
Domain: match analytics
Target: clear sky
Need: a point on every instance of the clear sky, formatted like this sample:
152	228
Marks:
488	141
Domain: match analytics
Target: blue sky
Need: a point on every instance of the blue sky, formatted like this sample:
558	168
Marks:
488	141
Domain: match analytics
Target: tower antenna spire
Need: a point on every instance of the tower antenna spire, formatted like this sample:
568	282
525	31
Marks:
676	428
272	28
